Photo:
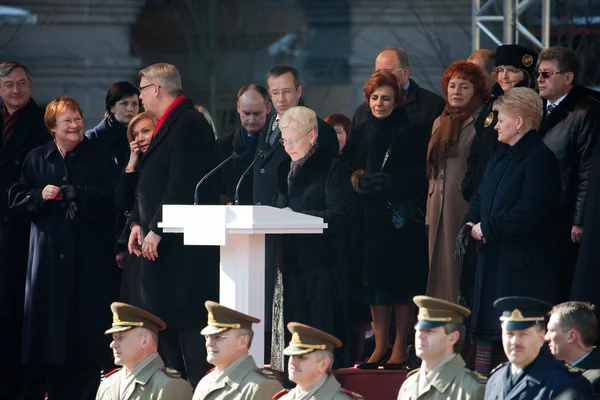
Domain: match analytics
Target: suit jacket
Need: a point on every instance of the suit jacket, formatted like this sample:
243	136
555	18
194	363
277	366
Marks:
233	170
421	106
546	378
153	382
179	155
331	390
265	169
245	382
452	381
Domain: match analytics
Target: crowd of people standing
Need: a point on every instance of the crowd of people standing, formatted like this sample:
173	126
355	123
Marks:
486	193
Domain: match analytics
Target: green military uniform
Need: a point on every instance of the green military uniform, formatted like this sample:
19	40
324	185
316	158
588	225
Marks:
149	380
449	379
242	380
305	340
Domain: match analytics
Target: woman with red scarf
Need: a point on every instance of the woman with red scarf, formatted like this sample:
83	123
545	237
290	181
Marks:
453	131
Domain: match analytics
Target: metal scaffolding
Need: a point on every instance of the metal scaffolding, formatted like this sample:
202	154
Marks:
512	29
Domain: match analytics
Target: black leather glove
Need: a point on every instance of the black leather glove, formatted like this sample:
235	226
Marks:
462	242
374	182
72	192
71	210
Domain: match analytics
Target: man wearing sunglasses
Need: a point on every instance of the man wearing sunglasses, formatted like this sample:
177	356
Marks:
570	127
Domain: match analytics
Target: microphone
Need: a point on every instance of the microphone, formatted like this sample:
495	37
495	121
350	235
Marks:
237	188
233	155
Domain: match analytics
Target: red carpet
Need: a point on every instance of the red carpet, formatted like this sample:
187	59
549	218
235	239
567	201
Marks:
377	384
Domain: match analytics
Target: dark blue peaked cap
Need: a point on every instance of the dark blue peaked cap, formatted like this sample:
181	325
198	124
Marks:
520	313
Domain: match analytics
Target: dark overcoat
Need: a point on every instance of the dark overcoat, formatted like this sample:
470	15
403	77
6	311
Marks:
235	168
421	106
315	267
113	135
517	205
570	131
29	133
394	259
71	276
546	378
174	286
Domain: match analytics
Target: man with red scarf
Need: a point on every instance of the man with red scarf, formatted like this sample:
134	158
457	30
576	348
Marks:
23	129
168	279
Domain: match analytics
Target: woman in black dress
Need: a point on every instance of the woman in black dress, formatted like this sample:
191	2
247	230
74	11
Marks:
387	154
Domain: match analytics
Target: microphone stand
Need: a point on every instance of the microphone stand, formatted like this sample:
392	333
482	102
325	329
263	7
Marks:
215	169
237	188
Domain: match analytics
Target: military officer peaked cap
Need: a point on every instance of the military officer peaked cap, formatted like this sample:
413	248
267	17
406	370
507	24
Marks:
520	313
437	312
306	339
126	317
221	318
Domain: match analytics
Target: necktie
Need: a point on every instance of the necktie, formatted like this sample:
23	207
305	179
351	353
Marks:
551	108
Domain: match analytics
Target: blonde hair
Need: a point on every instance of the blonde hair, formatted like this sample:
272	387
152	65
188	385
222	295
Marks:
164	75
58	105
208	117
522	102
301	118
138	118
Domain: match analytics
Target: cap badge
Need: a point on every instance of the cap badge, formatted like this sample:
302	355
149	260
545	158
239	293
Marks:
296	338
488	120
527	60
211	318
516	315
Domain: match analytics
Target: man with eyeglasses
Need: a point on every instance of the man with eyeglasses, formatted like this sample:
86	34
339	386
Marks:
285	89
421	105
235	375
570	128
22	130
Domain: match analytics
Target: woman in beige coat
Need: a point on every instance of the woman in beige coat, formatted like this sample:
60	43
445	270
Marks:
453	132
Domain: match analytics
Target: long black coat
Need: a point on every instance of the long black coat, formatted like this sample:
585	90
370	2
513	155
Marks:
315	267
176	285
113	135
233	170
395	259
517	205
546	379
571	131
421	106
71	277
29	133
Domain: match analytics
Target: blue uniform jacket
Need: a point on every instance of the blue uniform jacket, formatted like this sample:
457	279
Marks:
547	378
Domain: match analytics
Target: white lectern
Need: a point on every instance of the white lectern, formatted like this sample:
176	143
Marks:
240	231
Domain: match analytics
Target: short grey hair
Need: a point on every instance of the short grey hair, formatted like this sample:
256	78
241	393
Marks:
323	354
300	118
164	75
245	332
523	102
8	66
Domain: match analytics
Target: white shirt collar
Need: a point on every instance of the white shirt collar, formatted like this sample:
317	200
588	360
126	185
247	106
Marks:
557	102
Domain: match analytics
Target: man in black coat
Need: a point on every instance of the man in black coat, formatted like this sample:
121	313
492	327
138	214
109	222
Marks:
23	129
571	336
168	279
253	106
569	129
421	105
532	372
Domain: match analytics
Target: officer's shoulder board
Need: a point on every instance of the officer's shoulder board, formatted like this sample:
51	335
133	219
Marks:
414	371
114	371
280	394
572	369
498	367
269	373
352	395
171	373
479	377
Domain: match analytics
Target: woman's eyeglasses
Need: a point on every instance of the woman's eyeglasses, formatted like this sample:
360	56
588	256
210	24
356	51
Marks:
293	141
511	71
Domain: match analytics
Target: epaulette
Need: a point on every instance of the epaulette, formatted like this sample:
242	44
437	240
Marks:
352	395
497	368
572	369
209	371
481	378
114	371
280	394
171	373
414	371
269	373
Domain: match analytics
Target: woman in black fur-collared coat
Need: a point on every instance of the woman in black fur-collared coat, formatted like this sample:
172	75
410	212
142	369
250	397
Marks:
314	267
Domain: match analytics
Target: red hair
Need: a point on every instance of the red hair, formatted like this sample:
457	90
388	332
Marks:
469	71
340	119
58	105
385	78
